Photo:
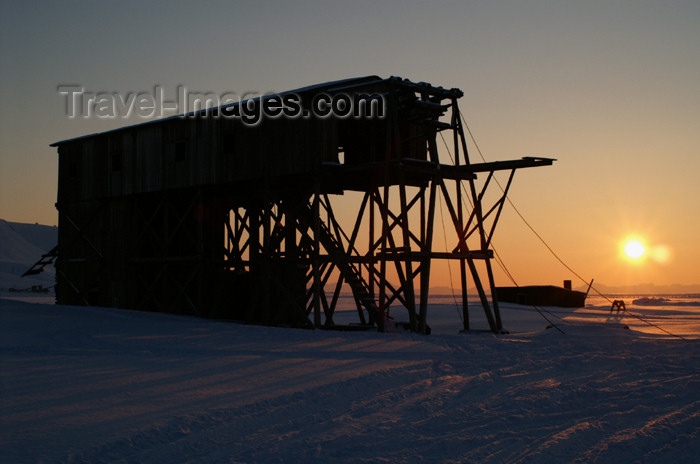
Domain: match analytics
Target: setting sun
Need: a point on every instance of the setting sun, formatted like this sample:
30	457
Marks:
634	249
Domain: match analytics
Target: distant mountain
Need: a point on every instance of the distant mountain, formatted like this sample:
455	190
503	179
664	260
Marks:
644	289
640	289
21	245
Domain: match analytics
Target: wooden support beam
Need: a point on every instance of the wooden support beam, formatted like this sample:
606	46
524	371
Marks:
408	282
426	262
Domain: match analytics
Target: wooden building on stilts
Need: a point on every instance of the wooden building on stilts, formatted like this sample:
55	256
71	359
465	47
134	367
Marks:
207	214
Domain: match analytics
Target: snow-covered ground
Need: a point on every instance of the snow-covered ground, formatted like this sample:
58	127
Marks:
90	385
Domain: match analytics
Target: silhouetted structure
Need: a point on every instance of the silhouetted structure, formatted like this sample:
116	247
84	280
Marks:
211	216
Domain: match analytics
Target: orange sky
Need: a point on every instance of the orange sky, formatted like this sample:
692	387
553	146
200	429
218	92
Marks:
608	88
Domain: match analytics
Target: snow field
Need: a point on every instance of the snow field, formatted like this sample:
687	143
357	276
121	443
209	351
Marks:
99	385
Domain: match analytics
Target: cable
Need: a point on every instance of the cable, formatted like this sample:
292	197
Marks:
476	145
546	319
499	261
654	325
550	248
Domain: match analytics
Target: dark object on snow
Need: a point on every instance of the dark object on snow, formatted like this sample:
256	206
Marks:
619	305
542	295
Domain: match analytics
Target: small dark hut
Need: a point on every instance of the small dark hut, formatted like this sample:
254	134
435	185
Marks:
209	215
